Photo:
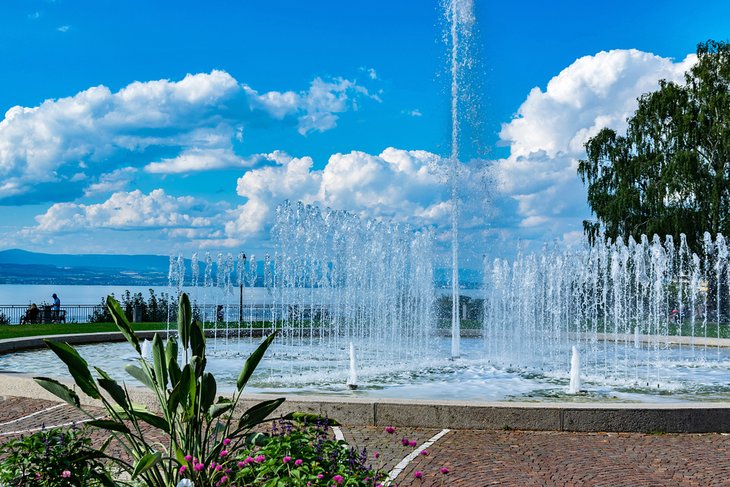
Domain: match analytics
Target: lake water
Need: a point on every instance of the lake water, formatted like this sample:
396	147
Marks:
90	295
24	294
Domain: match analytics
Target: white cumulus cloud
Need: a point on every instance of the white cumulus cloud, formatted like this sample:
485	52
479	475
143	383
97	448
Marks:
547	136
398	184
164	126
131	211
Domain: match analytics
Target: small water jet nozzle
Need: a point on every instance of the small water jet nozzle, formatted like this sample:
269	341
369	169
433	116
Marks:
574	387
352	379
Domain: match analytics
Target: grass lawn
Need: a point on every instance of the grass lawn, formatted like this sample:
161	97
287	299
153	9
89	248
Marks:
17	331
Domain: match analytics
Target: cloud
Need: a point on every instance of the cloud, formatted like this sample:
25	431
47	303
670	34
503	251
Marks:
164	126
413	113
403	185
111	182
315	109
64	28
133	210
539	181
195	159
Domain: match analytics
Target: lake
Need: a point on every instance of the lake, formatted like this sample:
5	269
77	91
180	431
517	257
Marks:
88	295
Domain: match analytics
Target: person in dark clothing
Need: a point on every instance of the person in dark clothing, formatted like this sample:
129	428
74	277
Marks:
31	315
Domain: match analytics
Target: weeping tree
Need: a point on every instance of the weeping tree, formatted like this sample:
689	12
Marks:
670	172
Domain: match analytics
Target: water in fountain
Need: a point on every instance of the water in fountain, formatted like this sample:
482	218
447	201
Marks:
460	18
338	279
626	304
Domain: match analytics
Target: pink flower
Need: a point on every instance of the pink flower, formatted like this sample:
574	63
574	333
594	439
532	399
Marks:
286	459
224	479
224	453
198	467
376	455
188	458
424	453
320	476
226	442
182	469
412	443
248	460
404	442
218	468
338	479
389	430
242	464
66	474
259	459
298	462
418	474
444	470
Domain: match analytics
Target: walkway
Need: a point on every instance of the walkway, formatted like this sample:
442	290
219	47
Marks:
487	457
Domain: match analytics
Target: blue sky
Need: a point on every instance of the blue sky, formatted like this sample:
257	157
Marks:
344	104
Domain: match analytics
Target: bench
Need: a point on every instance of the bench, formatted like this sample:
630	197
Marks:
45	315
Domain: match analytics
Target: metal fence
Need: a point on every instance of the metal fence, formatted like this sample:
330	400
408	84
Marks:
83	313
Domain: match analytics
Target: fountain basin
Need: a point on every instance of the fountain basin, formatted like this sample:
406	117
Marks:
296	369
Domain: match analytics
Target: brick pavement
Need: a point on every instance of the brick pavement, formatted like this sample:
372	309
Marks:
507	458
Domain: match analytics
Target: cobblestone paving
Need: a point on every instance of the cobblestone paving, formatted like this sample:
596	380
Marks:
483	458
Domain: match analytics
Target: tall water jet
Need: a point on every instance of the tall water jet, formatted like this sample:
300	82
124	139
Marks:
460	15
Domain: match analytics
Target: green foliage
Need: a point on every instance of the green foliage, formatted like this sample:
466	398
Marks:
298	453
52	458
194	420
670	173
155	308
474	308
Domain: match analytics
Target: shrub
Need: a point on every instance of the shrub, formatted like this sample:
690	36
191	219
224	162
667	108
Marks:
302	454
50	458
195	423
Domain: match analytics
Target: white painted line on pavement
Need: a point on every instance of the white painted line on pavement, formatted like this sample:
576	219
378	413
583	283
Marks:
32	414
404	463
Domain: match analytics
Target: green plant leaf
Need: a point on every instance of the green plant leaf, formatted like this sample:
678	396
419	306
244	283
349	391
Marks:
253	361
309	418
256	414
145	463
59	390
77	366
141	375
197	339
115	391
173	368
184	319
257	439
179	394
158	359
152	419
109	425
207	391
220	408
121	321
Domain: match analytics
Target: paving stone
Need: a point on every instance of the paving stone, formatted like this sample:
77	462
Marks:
489	457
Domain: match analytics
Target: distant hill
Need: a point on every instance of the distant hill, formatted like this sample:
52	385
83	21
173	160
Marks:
23	267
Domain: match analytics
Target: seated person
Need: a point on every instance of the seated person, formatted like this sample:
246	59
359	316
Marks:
31	315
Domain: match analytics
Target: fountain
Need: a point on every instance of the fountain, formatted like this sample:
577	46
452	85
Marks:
638	309
632	318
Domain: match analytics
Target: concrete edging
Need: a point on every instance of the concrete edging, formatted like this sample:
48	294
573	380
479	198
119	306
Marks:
583	417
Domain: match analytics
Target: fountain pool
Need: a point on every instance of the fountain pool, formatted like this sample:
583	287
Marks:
298	369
